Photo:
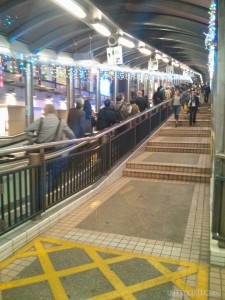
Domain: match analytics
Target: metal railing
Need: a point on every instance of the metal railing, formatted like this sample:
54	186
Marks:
30	189
6	141
218	211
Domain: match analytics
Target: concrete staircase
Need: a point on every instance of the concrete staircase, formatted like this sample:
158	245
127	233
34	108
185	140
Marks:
177	153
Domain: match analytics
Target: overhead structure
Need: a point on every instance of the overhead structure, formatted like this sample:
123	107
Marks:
175	28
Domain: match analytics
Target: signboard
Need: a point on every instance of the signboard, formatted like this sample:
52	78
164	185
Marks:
169	69
153	65
115	55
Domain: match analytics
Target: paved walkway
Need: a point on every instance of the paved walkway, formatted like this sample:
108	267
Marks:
144	237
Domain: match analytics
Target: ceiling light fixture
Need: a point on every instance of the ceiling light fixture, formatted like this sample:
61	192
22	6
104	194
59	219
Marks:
158	56
71	7
100	28
126	43
165	59
144	51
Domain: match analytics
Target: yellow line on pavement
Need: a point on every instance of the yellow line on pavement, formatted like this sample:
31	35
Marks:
56	286
53	277
103	265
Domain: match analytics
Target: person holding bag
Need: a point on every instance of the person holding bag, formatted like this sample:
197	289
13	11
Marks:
176	105
48	128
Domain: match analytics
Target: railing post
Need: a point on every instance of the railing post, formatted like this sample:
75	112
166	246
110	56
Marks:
105	139
37	203
2	220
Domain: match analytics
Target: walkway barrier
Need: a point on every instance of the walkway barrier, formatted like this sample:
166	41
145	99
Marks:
31	188
218	220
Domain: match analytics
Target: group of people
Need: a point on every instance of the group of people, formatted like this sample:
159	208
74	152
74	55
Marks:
188	97
81	119
115	113
162	94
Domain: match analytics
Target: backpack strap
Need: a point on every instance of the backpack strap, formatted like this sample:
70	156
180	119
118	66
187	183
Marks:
57	131
40	126
120	107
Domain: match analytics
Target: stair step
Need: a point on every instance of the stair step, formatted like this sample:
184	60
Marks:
179	144
178	149
185	123
168	167
191	177
204	109
184	116
189	131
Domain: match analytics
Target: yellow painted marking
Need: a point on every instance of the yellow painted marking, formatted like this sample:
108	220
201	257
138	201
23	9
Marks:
53	277
47	266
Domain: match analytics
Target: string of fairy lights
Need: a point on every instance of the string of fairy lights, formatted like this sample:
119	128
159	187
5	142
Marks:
55	71
15	61
211	38
46	68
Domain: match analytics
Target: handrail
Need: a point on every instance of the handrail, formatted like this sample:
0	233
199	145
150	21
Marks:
72	141
220	155
8	137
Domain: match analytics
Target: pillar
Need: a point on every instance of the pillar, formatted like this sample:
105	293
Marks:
29	90
97	92
115	86
219	118
70	87
128	88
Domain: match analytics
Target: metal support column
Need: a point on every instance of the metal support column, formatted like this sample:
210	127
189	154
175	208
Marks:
219	125
98	96
29	90
70	87
128	88
115	86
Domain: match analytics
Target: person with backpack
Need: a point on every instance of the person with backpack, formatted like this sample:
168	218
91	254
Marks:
157	96
107	116
48	128
141	101
121	108
193	107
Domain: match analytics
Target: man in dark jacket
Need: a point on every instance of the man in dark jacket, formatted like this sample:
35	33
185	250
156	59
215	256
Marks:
193	107
206	92
158	96
141	101
76	118
107	116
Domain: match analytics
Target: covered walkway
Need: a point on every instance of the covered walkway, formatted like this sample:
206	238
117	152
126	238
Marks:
146	236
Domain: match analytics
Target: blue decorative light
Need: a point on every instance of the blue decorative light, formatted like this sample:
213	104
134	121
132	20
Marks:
211	38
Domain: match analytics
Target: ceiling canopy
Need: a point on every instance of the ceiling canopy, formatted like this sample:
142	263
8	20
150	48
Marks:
173	27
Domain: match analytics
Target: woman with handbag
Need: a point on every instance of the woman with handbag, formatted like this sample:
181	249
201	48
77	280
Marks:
176	105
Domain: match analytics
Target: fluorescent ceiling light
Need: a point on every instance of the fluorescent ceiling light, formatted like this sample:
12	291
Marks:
176	64
71	7
126	43
165	59
100	28
158	56
144	51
